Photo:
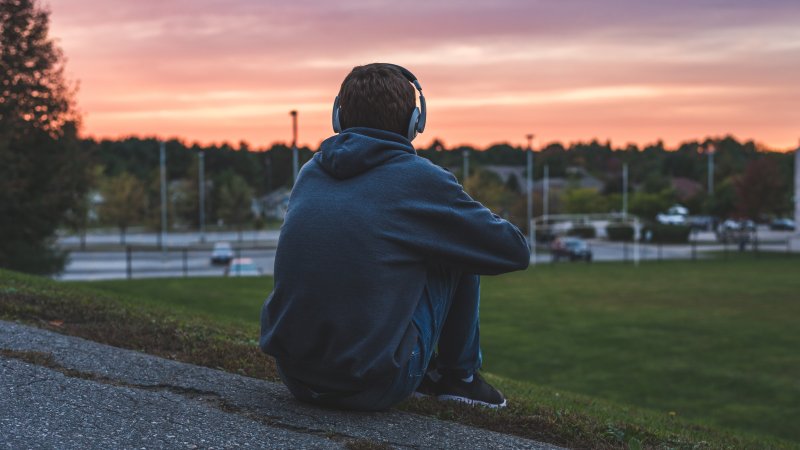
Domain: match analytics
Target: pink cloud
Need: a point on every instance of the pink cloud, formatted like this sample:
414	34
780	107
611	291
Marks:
229	70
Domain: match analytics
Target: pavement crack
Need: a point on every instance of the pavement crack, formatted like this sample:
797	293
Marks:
211	398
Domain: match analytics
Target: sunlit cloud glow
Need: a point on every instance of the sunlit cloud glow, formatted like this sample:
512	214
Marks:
628	71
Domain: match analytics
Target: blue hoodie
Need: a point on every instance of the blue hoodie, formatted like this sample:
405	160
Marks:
366	218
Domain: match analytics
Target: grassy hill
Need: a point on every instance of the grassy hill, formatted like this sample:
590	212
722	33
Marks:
667	355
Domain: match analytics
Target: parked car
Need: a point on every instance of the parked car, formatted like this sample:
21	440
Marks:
782	224
571	248
222	253
702	223
735	232
242	267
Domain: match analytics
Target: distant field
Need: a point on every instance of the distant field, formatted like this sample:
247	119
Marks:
714	341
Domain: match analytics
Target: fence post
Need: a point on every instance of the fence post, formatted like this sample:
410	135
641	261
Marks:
185	262
636	242
694	250
660	250
238	256
755	242
128	257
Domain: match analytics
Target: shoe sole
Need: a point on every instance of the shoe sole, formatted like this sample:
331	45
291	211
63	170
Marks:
473	402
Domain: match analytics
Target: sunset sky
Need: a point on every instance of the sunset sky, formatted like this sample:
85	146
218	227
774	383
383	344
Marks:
492	71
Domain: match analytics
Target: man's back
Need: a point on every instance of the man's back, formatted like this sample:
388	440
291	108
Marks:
366	219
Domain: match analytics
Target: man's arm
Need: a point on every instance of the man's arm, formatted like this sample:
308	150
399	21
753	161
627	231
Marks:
447	226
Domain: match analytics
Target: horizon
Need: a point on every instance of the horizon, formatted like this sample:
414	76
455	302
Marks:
566	71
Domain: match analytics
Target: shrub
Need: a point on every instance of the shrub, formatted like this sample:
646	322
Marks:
618	231
668	234
583	231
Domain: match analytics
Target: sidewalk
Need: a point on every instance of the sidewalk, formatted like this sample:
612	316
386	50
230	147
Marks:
65	392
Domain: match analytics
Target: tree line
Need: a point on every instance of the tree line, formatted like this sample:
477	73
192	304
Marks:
750	182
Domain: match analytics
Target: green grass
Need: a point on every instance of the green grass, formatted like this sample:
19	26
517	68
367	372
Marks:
227	300
711	340
667	355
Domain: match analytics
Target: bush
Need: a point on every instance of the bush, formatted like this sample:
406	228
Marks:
583	231
618	231
668	234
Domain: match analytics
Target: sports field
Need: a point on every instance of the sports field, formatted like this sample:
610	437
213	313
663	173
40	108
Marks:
714	342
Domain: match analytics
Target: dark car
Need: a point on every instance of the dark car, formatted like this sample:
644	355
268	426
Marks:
782	225
570	248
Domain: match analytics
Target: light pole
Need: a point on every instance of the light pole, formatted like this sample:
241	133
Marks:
163	165
710	151
201	191
625	191
797	192
546	196
295	162
465	154
531	230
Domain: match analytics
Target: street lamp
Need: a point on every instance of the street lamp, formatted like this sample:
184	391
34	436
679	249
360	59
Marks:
295	162
546	196
162	157
201	190
710	151
625	191
531	230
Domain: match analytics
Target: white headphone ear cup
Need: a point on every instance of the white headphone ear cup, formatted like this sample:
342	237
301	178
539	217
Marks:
337	125
412	125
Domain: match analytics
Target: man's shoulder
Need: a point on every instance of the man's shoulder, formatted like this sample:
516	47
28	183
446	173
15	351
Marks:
421	170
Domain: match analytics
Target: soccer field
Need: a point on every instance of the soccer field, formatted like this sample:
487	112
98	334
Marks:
713	340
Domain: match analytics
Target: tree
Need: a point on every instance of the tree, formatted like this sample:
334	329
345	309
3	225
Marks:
648	205
235	198
760	190
187	197
124	201
584	201
487	188
43	169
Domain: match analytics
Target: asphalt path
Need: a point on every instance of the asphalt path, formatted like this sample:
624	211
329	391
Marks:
68	393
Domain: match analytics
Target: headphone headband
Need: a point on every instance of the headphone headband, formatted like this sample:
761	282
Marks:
418	116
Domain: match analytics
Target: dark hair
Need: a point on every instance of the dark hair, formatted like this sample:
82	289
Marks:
376	96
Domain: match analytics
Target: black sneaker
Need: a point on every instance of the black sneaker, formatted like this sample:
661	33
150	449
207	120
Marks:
476	392
427	388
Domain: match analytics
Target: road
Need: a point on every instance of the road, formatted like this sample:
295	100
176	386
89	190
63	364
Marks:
108	260
151	263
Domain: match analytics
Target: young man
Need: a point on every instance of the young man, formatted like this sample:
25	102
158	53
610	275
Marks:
378	261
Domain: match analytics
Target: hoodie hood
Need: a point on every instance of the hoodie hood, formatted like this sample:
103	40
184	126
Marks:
356	150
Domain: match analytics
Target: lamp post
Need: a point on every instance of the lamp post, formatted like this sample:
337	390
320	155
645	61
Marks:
295	162
163	169
625	191
546	196
201	191
710	151
531	230
797	193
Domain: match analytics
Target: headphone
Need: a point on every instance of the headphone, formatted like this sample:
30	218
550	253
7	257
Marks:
418	117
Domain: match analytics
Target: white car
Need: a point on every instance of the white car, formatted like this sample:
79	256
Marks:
222	253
